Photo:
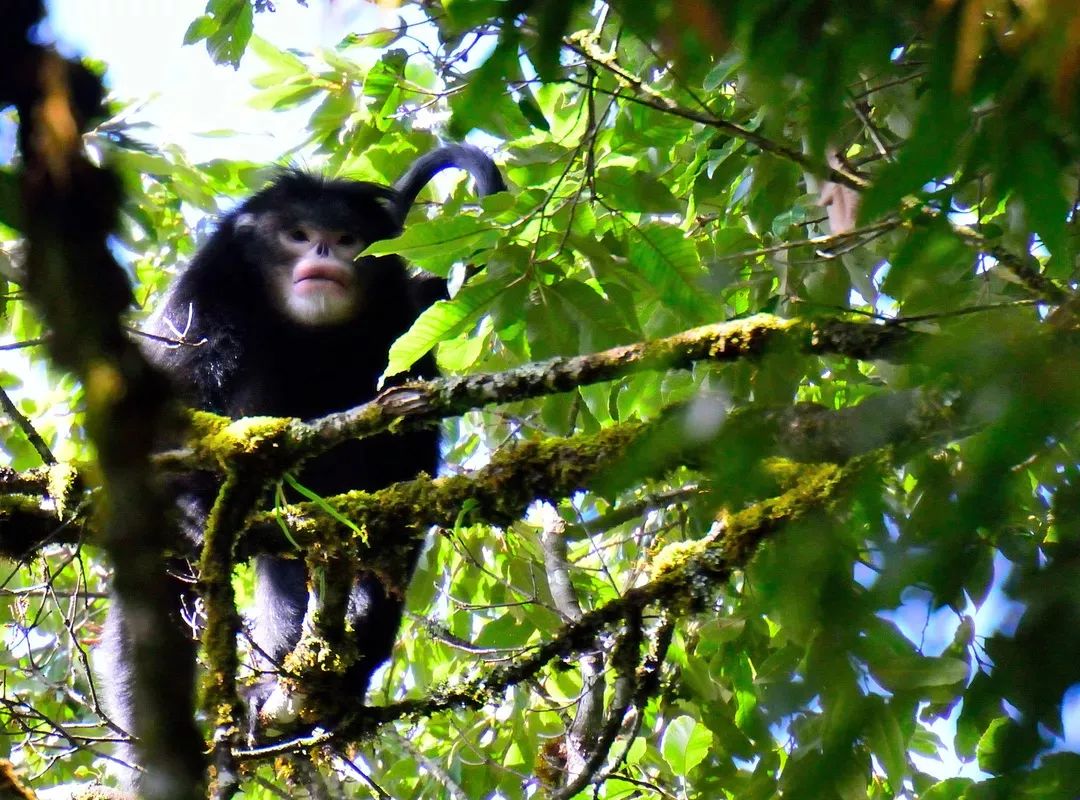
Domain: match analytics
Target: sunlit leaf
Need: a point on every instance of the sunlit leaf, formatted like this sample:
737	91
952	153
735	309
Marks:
443	320
685	744
437	243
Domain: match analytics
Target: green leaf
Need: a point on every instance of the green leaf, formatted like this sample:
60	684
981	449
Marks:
385	76
685	744
443	320
436	244
470	13
553	21
951	789
281	62
533	114
666	258
595	320
483	103
199	29
773	190
11	209
887	741
375	40
332	112
280	501
915	672
1039	185
226	45
281	97
924	157
636	190
506	631
324	506
1006	745
462	354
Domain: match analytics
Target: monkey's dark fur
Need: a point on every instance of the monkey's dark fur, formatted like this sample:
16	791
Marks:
257	359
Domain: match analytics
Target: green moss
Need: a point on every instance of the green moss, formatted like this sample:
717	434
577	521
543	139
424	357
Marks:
63	482
205	423
313	654
744	335
222	619
247	436
676	556
784	471
497	494
815	489
736	536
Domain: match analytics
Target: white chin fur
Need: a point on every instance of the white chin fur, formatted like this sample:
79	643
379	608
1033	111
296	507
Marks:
320	308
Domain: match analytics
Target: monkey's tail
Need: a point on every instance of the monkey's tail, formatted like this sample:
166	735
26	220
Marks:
463	156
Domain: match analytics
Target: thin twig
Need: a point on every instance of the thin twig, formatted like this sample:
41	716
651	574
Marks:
24	344
27	428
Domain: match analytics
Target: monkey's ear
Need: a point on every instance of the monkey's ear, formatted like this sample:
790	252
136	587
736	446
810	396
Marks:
389	202
244	222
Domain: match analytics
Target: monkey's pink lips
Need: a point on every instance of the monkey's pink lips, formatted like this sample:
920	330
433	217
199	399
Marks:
320	278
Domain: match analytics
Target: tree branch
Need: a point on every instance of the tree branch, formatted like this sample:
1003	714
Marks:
681	572
581	737
551	468
69	209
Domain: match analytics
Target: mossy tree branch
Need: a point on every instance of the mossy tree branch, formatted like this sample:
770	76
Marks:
683	574
70	208
26	524
422	402
549	469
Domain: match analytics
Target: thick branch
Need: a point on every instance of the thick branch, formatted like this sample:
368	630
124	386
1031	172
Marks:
678	570
625	660
721	342
497	493
235	500
421	402
549	469
70	207
1024	268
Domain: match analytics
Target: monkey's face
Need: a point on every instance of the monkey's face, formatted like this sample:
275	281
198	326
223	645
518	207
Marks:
310	270
319	286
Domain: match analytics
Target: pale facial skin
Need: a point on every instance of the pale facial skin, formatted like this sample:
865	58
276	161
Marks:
321	287
313	280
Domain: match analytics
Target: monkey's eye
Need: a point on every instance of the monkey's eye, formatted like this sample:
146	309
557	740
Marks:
348	240
298	235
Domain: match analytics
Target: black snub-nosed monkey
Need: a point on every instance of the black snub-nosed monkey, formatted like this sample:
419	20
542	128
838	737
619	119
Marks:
294	324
